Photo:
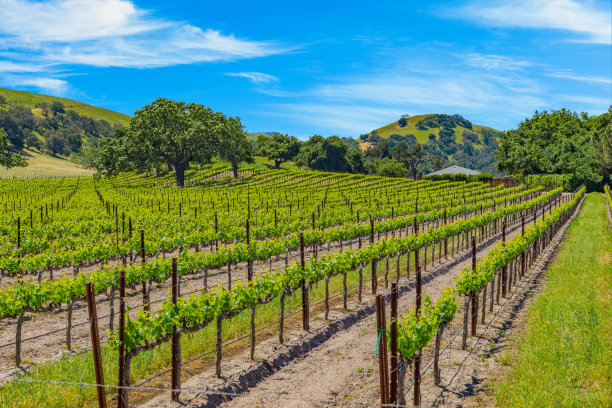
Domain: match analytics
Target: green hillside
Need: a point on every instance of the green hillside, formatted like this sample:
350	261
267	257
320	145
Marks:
31	99
44	165
452	138
421	135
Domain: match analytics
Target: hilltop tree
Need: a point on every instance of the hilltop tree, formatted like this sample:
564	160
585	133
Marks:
403	120
57	107
281	148
55	143
8	159
32	141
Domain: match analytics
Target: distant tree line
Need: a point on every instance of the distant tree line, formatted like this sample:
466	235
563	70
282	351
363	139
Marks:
397	156
560	142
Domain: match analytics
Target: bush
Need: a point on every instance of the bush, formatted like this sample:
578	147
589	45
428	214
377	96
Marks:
549	181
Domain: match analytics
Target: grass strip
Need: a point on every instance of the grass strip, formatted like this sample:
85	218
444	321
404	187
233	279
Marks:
564	358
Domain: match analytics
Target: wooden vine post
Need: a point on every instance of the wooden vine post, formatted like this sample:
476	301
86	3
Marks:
383	368
523	253
504	277
176	339
95	345
304	286
143	255
417	356
250	278
393	344
474	295
374	275
122	393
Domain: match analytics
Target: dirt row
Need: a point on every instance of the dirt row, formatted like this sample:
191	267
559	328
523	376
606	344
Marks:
331	362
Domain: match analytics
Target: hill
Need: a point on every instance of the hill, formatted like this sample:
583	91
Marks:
31	100
417	126
44	165
451	137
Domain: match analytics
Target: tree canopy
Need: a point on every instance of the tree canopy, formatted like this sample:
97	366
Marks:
602	142
8	159
555	142
175	134
320	153
280	148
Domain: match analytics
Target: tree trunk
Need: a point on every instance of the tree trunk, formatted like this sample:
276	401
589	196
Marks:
180	175
235	169
277	164
413	170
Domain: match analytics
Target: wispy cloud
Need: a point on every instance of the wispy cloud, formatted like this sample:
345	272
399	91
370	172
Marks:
55	86
582	78
110	33
601	104
9	66
495	62
358	104
329	118
591	23
492	90
255	77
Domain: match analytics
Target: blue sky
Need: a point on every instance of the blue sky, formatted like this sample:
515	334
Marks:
316	67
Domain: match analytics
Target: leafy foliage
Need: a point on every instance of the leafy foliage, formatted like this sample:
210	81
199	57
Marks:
280	148
8	159
175	134
556	142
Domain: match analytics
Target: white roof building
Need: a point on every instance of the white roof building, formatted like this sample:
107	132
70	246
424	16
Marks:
453	170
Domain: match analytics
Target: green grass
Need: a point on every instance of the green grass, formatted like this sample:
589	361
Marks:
421	135
564	359
30	100
44	166
71	367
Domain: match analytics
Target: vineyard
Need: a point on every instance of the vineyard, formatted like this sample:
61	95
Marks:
170	283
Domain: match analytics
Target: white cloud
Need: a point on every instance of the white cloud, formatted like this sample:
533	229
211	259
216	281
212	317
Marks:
358	104
8	66
495	62
52	85
254	77
113	33
592	24
73	20
328	118
591	101
582	78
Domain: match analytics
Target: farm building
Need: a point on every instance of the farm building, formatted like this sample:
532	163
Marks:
454	170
